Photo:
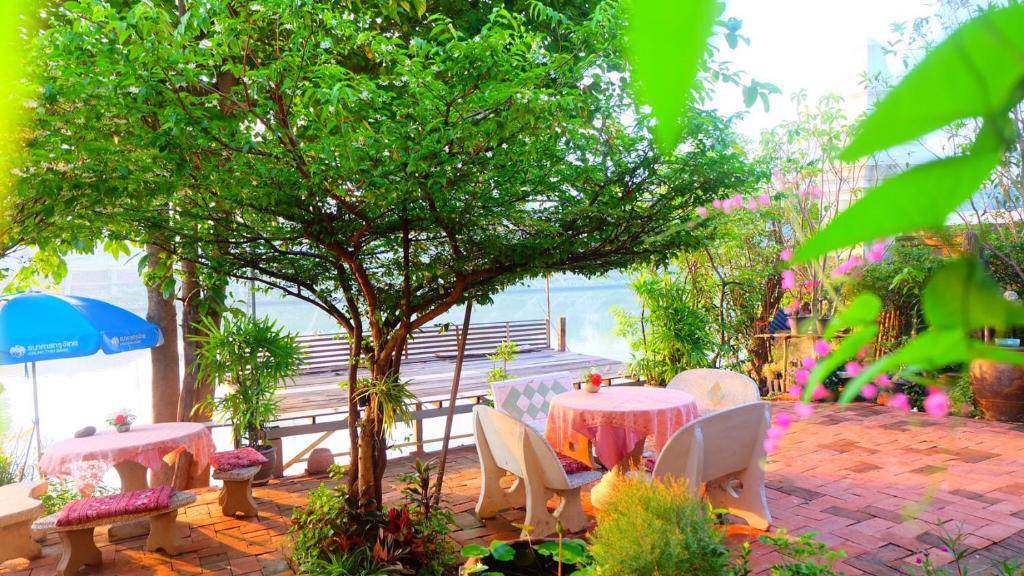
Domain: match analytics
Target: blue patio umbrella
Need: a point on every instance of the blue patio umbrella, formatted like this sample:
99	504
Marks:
35	327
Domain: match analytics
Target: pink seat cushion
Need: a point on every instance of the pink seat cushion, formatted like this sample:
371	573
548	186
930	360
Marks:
89	510
235	459
572	465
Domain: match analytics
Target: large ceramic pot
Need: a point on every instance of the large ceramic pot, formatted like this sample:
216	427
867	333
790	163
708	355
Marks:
999	389
267	470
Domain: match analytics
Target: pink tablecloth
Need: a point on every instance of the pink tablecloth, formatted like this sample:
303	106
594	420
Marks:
87	459
617	418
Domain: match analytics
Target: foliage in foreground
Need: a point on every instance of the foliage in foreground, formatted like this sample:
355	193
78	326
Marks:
333	536
656	528
649	529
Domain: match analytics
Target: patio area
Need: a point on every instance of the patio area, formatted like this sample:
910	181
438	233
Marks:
849	475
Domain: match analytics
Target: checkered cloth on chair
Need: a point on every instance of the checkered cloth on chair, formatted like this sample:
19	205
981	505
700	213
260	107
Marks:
527	399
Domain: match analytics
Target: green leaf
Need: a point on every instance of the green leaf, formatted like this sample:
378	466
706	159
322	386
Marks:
961	296
862	311
502	551
474	551
976	72
919	198
667	42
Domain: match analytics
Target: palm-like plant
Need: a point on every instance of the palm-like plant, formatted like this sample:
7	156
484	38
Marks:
251	356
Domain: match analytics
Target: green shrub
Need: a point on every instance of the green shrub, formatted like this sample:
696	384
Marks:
804	555
657	529
61	492
332	536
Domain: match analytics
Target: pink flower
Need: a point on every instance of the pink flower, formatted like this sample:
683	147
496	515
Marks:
877	252
775	433
783	420
937	403
869	391
752	204
853	369
900	402
883	381
820	393
716	203
808	362
786	255
778	179
800	376
737	200
863	352
804	410
822	348
702	211
796	391
769	446
788	279
764	200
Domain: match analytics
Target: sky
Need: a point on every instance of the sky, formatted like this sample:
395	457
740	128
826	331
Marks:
817	45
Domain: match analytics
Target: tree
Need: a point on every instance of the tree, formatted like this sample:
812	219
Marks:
383	165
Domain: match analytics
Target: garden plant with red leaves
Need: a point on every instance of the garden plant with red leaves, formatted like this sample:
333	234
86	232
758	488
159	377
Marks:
333	535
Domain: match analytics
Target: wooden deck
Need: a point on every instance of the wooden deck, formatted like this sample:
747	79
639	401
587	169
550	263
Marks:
320	393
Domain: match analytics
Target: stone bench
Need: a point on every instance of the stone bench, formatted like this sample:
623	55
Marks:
236	495
79	549
19	507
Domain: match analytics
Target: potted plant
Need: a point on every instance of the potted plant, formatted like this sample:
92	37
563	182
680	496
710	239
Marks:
250	356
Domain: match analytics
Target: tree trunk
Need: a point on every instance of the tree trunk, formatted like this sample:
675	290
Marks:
191	294
164	358
373	441
355	355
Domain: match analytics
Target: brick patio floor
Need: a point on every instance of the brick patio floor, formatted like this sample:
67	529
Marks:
849	475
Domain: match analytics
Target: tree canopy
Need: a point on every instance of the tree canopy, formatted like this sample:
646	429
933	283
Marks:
383	163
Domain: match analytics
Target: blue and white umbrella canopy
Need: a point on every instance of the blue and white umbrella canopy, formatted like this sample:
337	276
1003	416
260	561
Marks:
35	327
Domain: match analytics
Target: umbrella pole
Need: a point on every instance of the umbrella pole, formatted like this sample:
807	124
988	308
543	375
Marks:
35	405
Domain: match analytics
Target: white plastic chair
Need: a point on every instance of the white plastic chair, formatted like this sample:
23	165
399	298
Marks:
716	389
527	399
723	451
505	444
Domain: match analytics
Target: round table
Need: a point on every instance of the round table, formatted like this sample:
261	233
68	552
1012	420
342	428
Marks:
617	421
145	446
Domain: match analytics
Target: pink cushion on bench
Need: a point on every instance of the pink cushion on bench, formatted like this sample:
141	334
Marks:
89	510
235	459
572	465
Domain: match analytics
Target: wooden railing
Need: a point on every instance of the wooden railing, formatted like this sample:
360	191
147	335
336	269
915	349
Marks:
329	352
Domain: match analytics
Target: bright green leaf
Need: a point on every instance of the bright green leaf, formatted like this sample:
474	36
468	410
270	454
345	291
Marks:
474	551
963	297
502	551
862	311
667	42
976	72
919	198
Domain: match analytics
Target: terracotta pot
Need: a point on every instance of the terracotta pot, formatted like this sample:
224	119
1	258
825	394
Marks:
320	459
267	470
999	389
